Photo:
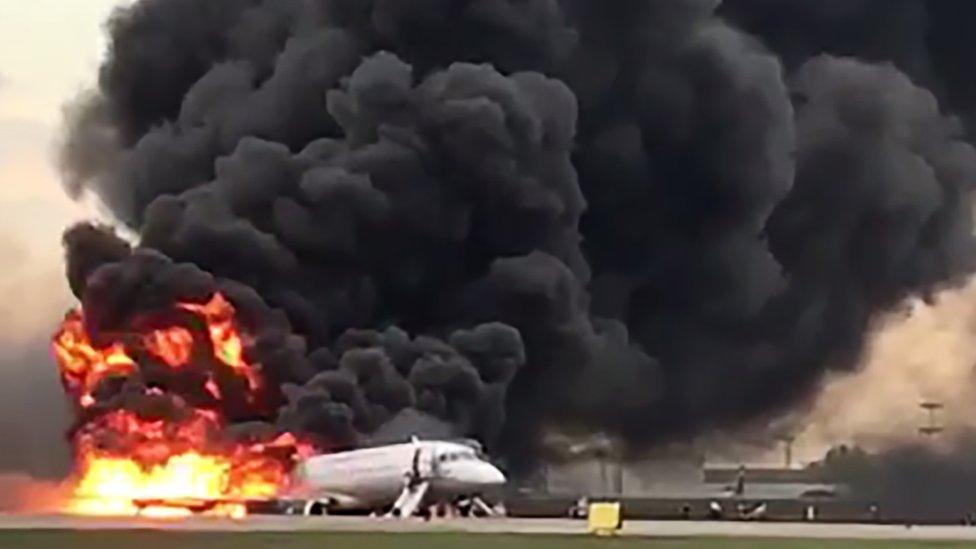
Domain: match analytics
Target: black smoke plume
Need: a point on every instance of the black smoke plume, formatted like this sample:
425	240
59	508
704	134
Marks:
510	216
928	40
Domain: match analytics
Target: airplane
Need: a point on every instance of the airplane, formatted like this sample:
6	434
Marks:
405	475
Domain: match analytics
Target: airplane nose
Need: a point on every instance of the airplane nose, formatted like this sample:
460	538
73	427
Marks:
492	475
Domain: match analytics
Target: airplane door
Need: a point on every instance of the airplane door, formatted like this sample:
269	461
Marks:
433	463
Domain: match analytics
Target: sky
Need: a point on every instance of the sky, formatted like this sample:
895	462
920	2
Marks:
49	51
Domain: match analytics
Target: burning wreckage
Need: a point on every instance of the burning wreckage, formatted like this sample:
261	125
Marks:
151	451
174	418
518	218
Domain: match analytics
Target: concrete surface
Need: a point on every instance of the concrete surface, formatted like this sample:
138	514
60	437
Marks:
499	525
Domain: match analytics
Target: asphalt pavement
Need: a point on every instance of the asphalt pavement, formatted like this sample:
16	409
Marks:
258	523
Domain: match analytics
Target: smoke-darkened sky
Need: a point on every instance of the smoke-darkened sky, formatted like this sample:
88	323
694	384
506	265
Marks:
653	219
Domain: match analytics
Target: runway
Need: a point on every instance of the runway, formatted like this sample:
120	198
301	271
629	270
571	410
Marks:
661	529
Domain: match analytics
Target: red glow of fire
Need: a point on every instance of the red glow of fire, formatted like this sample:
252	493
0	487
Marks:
172	345
166	468
82	365
128	465
214	389
226	339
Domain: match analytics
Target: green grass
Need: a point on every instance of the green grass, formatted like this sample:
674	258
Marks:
174	540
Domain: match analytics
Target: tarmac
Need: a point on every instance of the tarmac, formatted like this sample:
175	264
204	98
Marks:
660	529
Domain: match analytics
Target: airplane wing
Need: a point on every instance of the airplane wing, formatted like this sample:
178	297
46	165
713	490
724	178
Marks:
204	506
193	505
339	499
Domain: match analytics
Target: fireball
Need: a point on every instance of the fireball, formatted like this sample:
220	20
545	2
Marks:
174	459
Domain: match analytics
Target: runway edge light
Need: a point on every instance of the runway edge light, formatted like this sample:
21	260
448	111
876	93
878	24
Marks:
604	518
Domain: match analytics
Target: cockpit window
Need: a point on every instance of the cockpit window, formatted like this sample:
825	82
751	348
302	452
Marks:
457	456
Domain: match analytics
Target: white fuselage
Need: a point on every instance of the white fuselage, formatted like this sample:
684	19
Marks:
373	478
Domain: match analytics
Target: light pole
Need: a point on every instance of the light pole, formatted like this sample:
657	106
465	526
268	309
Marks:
787	441
932	427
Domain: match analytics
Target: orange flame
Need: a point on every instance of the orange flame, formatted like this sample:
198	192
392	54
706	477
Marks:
129	465
173	346
82	365
226	339
171	469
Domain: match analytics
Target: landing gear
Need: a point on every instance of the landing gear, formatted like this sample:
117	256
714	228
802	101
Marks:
473	507
481	508
317	508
